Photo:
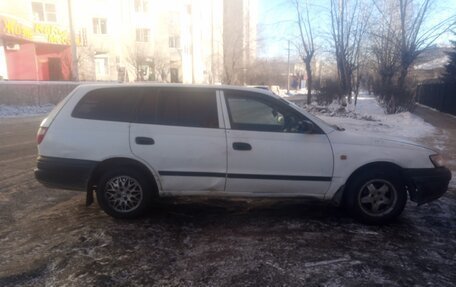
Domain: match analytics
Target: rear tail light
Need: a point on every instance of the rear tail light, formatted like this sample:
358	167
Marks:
40	134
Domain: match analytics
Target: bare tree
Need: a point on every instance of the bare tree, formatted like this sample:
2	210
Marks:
402	38
306	47
349	21
414	39
161	66
239	49
138	57
233	62
384	36
267	72
237	58
148	66
85	61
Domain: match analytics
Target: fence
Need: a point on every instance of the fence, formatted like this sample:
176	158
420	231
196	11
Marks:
438	96
23	93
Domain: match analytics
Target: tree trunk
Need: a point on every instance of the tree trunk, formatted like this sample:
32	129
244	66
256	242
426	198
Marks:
342	78
309	81
349	77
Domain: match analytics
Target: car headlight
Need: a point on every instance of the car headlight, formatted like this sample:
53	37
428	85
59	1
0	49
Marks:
437	160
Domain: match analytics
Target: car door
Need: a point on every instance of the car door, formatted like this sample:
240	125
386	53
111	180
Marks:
178	133
270	152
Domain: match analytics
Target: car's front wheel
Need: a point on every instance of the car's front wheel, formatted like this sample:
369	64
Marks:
124	193
376	196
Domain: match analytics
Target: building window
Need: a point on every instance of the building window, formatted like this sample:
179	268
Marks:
99	25
174	42
44	12
101	65
142	35
141	5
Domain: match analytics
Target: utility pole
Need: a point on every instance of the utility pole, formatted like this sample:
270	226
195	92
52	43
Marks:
288	75
212	44
74	56
192	41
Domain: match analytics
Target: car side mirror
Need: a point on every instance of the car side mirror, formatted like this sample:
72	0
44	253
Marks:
307	127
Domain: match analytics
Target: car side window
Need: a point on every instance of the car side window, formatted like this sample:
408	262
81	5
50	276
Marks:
251	112
180	107
108	104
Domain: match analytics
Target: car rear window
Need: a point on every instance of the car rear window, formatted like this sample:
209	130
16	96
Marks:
108	104
180	107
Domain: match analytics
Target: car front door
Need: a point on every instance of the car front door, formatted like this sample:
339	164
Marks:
273	149
178	133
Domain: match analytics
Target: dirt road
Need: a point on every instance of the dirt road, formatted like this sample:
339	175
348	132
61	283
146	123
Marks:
49	238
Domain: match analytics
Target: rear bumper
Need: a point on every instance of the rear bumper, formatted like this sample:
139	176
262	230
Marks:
427	184
64	173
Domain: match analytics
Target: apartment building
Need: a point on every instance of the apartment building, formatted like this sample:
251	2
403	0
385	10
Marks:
140	40
34	40
129	40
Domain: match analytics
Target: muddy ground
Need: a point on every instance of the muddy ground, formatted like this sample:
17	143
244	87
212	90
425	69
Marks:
49	238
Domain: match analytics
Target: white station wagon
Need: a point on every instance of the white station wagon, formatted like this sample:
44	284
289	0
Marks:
133	143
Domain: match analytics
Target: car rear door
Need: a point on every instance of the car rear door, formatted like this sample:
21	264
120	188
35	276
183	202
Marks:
178	132
268	151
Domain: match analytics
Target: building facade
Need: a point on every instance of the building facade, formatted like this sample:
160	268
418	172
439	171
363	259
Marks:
239	39
34	40
181	41
171	41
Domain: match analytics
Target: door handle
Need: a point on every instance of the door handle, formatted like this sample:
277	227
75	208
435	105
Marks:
241	146
144	141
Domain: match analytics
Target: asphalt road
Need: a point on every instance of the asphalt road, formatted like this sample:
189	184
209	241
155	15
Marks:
49	238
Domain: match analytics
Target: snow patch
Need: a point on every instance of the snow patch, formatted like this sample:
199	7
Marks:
369	118
9	111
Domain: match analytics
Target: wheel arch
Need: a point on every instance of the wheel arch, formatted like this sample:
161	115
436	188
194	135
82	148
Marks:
394	175
340	195
374	165
110	163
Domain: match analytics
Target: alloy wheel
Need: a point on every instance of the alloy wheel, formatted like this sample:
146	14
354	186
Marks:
377	197
123	193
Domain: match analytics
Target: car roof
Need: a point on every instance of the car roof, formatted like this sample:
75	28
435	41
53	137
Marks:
94	86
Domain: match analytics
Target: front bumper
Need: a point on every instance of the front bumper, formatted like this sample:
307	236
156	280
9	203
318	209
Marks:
427	184
64	173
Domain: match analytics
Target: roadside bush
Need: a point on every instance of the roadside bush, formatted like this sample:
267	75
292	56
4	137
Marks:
328	92
394	99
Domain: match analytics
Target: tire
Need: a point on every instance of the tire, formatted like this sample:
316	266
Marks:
376	196
124	193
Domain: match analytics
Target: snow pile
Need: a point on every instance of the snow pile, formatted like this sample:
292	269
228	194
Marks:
337	110
369	118
366	107
7	111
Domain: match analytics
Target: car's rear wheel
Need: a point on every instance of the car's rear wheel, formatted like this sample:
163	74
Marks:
124	193
376	196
